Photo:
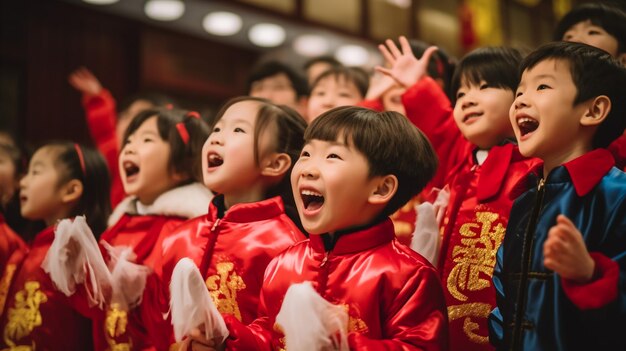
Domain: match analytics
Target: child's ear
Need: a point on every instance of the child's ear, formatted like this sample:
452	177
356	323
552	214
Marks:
596	111
276	165
72	191
385	189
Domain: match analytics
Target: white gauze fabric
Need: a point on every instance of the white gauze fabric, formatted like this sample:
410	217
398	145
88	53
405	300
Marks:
310	323
425	240
191	305
127	278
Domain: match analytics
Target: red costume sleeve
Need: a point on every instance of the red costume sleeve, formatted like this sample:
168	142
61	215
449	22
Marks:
376	105
428	108
101	120
599	292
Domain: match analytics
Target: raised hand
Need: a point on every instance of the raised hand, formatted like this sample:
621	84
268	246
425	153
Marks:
406	69
379	85
565	252
84	81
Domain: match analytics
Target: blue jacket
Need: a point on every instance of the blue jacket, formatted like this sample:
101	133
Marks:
537	309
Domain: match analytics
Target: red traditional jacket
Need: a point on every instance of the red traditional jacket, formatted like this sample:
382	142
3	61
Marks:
477	215
393	295
12	252
113	329
231	249
39	317
101	120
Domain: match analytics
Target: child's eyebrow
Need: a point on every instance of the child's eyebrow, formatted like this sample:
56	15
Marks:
545	75
242	120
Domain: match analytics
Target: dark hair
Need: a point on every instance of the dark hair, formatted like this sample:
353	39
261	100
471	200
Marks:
440	64
498	66
272	68
594	73
288	137
95	201
354	75
184	157
156	99
390	143
15	155
610	18
333	62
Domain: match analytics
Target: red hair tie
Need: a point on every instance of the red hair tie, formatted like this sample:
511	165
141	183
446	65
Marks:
193	114
79	152
182	131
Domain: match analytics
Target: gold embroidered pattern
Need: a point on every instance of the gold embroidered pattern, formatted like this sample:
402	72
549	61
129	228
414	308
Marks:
476	256
5	283
467	311
404	228
25	316
355	324
115	326
223	288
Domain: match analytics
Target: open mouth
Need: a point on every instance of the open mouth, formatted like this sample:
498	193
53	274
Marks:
527	125
311	200
215	160
472	116
130	168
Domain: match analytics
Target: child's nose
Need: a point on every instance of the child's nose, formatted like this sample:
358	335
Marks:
467	102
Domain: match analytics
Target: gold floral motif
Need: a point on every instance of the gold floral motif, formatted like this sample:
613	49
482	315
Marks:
25	316
355	324
470	328
223	288
476	255
5	283
115	326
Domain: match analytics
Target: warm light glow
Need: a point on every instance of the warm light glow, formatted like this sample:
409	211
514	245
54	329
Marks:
101	2
164	10
222	23
267	35
311	45
352	55
405	4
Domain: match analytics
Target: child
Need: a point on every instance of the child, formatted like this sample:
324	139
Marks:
246	159
105	125
63	180
559	273
340	86
280	84
160	169
318	65
356	168
477	135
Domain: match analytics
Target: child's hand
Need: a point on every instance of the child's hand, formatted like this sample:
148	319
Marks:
379	85
84	81
406	69
197	342
565	252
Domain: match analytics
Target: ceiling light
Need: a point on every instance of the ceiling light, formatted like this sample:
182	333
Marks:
101	2
267	35
311	45
352	55
405	4
222	23
164	10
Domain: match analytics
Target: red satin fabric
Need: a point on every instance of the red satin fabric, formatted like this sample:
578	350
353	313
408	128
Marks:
235	249
38	315
11	246
393	295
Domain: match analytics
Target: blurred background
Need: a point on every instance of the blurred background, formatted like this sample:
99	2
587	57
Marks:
201	51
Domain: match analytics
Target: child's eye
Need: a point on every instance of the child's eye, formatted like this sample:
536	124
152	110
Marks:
305	154
460	95
239	130
593	32
216	129
518	94
147	140
345	95
542	87
333	156
484	86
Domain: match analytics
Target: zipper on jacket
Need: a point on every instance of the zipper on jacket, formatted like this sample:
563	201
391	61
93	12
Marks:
527	246
323	276
208	253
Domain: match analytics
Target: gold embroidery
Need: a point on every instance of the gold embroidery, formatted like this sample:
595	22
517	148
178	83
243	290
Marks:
402	228
476	255
223	288
467	311
115	326
355	324
25	316
5	283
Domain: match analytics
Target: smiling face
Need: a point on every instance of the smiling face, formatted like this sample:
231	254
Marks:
588	33
332	187
545	120
481	113
143	163
330	92
228	161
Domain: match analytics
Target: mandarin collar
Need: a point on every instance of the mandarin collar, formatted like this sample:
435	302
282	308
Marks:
246	212
358	240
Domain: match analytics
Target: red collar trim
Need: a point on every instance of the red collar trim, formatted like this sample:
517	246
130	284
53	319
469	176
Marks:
360	240
248	212
587	170
44	237
494	170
